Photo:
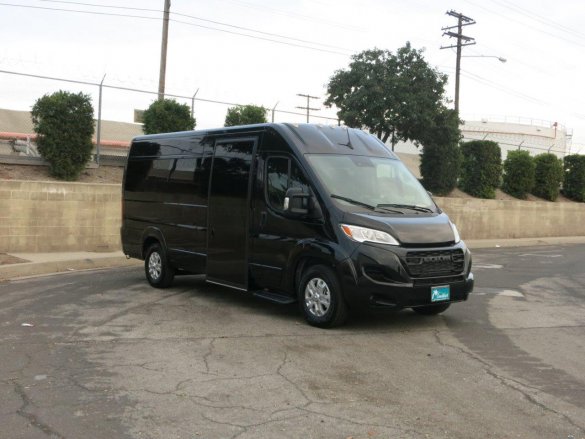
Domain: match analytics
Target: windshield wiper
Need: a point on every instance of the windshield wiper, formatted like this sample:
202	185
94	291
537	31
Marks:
407	206
367	206
352	201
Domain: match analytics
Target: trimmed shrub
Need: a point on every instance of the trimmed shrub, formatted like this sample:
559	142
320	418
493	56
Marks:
548	176
439	167
518	179
574	185
481	168
245	115
64	124
440	161
167	116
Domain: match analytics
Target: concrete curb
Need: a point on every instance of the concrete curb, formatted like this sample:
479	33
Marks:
26	269
523	242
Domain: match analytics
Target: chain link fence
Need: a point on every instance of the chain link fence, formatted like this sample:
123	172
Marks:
116	109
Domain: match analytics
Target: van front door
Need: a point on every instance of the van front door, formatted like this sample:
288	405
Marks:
229	201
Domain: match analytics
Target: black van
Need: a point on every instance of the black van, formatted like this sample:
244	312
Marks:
323	215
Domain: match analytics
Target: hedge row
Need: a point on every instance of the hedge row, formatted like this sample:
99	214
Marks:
482	172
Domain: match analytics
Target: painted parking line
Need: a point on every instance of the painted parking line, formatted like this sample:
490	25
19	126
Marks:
497	292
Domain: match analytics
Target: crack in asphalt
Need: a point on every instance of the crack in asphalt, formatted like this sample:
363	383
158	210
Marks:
208	354
31	418
291	382
132	308
506	381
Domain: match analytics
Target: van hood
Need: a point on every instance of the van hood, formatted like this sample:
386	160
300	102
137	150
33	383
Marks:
411	229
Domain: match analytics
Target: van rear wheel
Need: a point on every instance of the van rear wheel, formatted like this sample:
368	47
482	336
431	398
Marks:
431	310
321	299
158	271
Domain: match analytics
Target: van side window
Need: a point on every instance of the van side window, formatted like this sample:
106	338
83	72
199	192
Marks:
282	173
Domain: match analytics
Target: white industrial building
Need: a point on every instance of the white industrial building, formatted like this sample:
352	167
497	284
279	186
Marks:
512	133
535	136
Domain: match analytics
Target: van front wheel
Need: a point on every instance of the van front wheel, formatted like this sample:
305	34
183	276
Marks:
158	272
320	298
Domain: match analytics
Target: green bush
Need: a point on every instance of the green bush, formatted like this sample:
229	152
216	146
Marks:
518	179
574	184
440	161
548	176
167	116
481	169
245	115
64	124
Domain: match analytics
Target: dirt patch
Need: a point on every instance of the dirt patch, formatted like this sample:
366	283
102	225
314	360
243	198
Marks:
103	174
9	259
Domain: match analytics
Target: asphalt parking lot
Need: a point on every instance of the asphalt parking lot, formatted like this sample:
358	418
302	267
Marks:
100	354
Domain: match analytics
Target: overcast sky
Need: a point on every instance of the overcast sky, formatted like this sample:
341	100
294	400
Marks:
542	41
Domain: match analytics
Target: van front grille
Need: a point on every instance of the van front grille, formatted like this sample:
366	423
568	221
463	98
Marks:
435	263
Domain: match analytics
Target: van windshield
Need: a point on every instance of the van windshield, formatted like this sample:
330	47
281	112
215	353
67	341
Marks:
373	181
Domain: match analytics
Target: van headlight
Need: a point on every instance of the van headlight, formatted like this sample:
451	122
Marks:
455	232
362	234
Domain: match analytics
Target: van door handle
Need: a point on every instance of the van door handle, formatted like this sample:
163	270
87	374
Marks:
263	218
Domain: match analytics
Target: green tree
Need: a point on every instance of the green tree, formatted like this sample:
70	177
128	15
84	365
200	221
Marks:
395	96
481	168
548	176
167	116
64	124
518	179
245	115
440	161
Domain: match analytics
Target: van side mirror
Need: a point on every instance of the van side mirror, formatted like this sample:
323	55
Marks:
296	202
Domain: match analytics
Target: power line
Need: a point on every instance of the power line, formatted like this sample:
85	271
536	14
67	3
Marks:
523	23
295	15
537	17
177	21
505	89
193	17
260	38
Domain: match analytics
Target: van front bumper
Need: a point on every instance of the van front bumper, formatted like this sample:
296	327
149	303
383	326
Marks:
377	278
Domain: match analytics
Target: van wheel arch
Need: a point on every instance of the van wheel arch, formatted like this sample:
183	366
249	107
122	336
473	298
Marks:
304	264
148	242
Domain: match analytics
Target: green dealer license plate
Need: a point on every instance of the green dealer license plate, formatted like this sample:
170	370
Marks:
440	294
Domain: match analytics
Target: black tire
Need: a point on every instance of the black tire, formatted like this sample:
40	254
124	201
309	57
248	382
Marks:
156	267
320	297
431	310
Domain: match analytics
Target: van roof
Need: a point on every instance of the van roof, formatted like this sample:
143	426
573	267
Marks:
308	138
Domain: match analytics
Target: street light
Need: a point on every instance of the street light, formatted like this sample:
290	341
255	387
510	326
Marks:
499	58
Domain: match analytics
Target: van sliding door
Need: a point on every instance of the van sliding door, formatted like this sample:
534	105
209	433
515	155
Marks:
229	201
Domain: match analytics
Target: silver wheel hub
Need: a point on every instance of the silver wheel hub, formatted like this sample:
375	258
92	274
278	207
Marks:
154	266
317	297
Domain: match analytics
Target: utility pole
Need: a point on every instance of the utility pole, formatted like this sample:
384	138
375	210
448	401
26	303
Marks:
163	51
308	107
462	41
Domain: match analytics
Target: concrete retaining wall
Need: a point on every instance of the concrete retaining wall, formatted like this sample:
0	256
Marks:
503	219
49	216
